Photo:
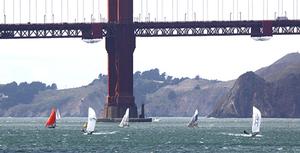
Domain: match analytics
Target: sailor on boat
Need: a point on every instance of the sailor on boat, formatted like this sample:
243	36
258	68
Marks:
84	126
256	120
91	123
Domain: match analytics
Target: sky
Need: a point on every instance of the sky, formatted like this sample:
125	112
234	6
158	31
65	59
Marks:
73	63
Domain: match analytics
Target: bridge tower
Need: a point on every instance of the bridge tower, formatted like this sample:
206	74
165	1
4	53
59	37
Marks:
120	45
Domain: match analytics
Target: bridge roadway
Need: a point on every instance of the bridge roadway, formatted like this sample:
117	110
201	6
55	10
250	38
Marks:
151	29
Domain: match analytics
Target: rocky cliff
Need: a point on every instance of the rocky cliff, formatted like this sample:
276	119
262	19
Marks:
275	90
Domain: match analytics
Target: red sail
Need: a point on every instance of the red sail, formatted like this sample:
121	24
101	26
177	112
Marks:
52	119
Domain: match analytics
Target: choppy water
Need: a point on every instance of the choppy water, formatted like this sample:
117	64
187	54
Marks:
168	135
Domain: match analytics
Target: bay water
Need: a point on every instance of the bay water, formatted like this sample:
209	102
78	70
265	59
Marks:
169	135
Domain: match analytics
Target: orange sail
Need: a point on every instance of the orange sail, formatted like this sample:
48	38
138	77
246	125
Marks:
51	122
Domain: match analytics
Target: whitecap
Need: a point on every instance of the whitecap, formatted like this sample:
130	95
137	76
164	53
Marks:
241	135
125	138
105	133
279	148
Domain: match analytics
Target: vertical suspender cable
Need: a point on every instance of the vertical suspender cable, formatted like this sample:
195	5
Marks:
141	10
83	10
248	10
187	10
203	10
61	10
218	10
177	10
233	9
278	10
193	14
99	14
263	12
293	9
29	13
4	15
45	17
77	13
237	9
267	9
156	10
13	11
162	9
52	13
36	11
282	7
93	10
297	9
147	13
206	9
252	10
67	10
172	10
20	11
222	9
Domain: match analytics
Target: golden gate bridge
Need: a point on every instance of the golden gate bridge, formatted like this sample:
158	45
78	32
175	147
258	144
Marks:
123	25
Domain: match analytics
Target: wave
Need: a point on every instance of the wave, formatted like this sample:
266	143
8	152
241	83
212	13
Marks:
241	135
105	133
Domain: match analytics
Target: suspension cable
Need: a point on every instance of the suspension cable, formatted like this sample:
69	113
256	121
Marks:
36	11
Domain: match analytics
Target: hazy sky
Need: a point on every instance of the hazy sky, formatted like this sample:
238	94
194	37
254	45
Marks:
73	63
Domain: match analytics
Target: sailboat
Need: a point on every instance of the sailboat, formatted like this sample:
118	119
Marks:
90	127
51	122
256	120
194	119
58	116
125	119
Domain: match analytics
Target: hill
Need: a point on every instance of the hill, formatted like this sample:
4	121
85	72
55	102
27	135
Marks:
275	90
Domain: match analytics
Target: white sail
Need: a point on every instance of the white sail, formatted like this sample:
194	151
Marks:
194	120
125	119
58	116
91	121
256	119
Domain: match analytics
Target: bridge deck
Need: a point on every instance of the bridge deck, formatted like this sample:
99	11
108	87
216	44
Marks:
151	29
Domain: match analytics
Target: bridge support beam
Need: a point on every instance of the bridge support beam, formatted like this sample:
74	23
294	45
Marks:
120	45
120	50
